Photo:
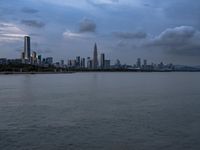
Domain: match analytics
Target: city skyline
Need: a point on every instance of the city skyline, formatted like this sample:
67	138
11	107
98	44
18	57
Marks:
125	30
97	62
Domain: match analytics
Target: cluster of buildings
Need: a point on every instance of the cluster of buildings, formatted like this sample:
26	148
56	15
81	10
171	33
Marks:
78	63
143	65
27	57
34	58
96	62
90	63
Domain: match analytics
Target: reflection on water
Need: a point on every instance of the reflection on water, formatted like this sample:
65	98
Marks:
100	111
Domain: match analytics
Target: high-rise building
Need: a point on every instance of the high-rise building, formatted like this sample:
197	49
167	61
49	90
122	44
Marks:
107	64
39	59
34	57
102	61
44	61
27	48
145	63
62	62
95	57
3	61
89	63
78	61
49	60
71	63
82	62
138	63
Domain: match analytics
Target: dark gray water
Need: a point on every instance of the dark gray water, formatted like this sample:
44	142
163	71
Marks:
89	111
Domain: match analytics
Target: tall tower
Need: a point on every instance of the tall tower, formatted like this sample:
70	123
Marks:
27	47
102	61
95	57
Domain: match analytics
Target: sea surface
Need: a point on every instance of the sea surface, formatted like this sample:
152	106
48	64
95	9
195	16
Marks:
100	111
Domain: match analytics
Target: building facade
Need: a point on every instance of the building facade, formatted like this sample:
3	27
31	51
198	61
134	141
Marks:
27	48
95	57
102	61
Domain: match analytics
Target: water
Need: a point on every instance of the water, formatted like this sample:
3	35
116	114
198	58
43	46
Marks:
89	111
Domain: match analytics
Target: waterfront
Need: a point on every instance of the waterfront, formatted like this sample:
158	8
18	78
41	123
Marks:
132	111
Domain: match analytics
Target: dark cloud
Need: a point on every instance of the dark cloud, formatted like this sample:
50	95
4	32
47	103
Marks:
147	5
29	10
102	3
33	23
130	35
87	25
182	40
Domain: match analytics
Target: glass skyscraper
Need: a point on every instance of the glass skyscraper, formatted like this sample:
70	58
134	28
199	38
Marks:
95	57
27	47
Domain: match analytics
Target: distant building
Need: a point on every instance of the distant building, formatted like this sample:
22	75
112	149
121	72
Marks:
78	61
161	65
71	63
34	58
27	48
39	59
82	62
44	61
145	64
34	55
89	63
62	63
14	61
57	64
107	64
138	63
95	57
3	61
49	60
102	61
117	63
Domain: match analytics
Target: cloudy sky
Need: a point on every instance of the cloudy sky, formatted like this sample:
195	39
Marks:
155	30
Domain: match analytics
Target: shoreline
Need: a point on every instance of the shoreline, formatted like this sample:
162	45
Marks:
32	73
71	72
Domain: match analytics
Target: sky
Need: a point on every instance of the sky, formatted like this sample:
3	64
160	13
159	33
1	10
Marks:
155	30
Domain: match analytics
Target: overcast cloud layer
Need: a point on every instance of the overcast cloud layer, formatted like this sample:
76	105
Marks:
156	30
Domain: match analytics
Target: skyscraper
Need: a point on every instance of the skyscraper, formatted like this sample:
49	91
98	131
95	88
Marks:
39	59
34	57
62	62
102	61
107	64
145	63
27	48
138	63
49	60
82	62
78	61
89	63
95	57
